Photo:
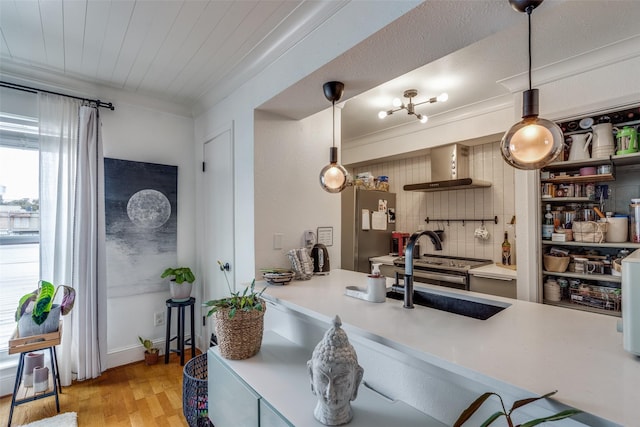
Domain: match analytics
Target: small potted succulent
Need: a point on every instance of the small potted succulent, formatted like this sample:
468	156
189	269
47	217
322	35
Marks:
150	352
239	320
181	281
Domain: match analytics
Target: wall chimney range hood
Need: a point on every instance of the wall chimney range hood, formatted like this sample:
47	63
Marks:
449	171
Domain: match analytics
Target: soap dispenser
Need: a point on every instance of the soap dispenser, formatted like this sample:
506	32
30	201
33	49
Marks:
376	285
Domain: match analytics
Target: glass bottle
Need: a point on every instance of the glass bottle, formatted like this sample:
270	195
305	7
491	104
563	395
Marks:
506	250
547	224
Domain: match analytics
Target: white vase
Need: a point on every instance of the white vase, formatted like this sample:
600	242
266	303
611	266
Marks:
180	292
31	361
40	379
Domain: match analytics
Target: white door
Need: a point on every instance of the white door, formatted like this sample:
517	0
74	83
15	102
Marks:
218	220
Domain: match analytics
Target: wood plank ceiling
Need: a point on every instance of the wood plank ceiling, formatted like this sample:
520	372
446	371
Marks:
175	49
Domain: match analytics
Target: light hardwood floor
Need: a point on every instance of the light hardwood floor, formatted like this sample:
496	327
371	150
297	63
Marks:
130	395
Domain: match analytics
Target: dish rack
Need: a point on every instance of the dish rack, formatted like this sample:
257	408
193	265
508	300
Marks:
301	263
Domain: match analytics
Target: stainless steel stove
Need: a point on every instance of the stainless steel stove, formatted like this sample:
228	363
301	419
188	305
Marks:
448	271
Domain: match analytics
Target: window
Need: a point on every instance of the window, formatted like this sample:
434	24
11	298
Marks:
19	208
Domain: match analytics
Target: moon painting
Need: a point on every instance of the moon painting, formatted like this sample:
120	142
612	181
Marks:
141	225
148	209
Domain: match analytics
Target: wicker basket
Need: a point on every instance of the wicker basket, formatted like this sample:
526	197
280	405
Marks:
241	336
195	392
557	264
589	231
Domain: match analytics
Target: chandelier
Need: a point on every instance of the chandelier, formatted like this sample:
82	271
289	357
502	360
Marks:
410	107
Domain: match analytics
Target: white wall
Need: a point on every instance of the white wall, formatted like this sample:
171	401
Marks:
143	134
289	155
486	164
331	39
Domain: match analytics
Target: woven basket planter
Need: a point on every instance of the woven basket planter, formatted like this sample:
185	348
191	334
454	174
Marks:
241	336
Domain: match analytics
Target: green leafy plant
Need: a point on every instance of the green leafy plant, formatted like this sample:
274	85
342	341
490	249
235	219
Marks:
467	413
179	275
148	345
248	300
41	301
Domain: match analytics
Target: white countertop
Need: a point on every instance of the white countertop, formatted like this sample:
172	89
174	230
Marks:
536	347
493	270
385	259
487	270
279	374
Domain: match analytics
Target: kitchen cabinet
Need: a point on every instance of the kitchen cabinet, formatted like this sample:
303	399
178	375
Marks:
564	187
272	389
491	284
231	402
269	417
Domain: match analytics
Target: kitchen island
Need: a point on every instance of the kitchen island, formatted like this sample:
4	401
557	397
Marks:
527	348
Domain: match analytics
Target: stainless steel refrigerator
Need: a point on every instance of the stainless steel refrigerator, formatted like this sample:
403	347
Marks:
363	233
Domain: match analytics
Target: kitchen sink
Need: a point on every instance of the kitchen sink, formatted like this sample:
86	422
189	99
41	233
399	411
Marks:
453	303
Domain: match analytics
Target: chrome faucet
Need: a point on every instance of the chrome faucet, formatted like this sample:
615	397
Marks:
408	262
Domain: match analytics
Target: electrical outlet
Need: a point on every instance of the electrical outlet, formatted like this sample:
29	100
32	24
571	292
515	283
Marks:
158	318
277	241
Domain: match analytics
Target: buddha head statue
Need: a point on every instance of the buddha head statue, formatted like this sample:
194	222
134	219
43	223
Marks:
335	376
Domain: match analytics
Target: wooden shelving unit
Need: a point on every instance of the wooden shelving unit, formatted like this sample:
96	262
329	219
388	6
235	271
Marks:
567	172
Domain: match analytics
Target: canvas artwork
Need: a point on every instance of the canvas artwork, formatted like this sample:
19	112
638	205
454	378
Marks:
141	222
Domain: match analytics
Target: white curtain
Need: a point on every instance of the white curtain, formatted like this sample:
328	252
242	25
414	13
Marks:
72	228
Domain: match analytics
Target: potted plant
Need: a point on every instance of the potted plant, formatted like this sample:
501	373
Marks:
37	314
239	321
150	352
181	281
475	405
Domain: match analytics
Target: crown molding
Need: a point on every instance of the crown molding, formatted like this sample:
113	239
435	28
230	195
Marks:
579	64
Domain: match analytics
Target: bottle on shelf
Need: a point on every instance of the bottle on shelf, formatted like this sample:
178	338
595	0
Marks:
506	250
547	224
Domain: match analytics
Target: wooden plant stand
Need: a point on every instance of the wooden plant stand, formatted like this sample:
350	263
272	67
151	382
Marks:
23	346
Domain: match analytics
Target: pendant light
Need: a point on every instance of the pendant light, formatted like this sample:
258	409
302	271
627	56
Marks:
333	177
533	142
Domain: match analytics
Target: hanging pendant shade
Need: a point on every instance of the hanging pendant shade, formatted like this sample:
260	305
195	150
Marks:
333	177
533	142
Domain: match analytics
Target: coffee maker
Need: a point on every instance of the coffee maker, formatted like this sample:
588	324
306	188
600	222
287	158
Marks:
320	256
398	242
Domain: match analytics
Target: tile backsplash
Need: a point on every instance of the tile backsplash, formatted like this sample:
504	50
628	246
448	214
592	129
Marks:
486	164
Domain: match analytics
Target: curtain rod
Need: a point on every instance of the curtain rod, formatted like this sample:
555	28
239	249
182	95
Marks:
99	103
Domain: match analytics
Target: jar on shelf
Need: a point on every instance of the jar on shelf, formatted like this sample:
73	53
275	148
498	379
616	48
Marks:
382	183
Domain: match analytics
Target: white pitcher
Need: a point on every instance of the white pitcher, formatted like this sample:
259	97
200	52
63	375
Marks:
603	145
580	146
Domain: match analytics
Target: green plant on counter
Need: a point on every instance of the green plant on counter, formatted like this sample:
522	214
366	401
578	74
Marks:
179	275
247	301
467	413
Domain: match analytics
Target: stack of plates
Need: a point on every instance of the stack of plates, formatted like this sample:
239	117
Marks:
552	291
278	277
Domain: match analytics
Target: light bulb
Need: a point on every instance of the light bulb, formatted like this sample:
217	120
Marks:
397	102
333	178
442	97
423	119
532	143
382	114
